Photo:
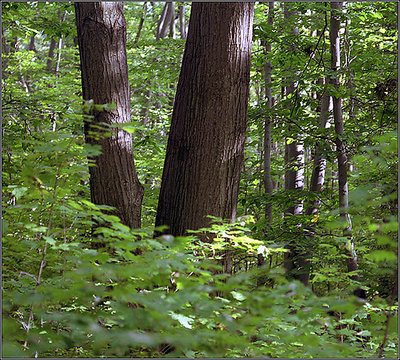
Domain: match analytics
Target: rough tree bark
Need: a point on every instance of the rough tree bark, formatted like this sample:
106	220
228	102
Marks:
102	38
205	146
342	160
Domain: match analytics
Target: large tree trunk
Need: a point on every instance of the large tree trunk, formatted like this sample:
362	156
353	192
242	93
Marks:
102	38
296	262
336	13
205	146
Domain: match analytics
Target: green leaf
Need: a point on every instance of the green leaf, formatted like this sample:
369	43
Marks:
238	296
18	192
49	240
182	319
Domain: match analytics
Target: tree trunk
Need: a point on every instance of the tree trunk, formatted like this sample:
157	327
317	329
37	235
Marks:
31	44
102	38
319	166
336	12
294	151
50	55
52	47
295	262
318	170
60	45
294	175
172	23
182	22
267	142
167	17
206	142
141	23
268	185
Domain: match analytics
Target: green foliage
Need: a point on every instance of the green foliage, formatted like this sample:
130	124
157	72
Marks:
79	283
137	294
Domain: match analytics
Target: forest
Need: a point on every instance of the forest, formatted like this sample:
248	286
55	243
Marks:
199	180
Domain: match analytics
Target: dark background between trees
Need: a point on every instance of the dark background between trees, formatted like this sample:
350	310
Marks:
199	180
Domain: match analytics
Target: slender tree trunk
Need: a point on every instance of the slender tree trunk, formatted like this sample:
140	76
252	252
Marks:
172	23
102	44
50	55
295	262
52	48
164	24
267	142
141	23
319	165
31	45
318	169
60	44
294	175
206	141
268	186
294	151
182	22
350	71
342	160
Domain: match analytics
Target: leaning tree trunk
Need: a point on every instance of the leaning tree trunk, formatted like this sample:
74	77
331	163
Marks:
206	142
336	12
295	262
141	23
102	38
